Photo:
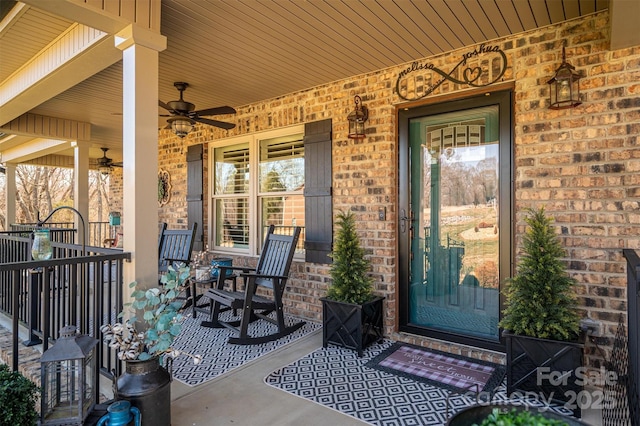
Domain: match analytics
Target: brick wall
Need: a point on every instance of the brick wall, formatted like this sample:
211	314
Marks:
582	164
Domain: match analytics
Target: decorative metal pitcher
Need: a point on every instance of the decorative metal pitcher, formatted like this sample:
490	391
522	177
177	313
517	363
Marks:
120	413
147	385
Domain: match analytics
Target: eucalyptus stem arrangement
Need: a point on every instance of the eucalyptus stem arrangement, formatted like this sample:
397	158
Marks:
161	321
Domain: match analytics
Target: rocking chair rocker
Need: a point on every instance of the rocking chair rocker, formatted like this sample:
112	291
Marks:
271	273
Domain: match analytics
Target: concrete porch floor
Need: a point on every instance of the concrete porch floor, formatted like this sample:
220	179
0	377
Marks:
241	397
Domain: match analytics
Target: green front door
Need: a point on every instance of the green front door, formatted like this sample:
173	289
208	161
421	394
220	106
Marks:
455	221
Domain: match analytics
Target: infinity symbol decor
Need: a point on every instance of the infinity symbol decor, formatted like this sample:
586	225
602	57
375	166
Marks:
418	80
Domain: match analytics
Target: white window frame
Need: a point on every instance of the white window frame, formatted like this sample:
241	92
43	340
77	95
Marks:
255	244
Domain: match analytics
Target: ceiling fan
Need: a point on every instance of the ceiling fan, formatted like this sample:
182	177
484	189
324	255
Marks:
105	164
183	115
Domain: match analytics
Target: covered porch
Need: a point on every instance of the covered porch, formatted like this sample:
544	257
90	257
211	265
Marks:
291	71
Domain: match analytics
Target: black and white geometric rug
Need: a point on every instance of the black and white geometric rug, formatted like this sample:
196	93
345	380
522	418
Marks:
218	355
336	378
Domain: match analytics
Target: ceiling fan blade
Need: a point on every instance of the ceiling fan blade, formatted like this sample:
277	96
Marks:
165	106
221	124
215	111
116	164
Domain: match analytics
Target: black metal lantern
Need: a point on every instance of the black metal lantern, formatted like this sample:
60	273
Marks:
69	379
564	88
356	118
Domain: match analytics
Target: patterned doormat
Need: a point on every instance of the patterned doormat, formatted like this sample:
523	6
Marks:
445	370
218	355
338	379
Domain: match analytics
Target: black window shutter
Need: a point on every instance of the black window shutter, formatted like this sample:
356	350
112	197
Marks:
318	207
194	193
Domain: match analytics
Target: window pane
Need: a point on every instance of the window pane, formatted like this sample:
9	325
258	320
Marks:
284	212
232	169
232	219
282	164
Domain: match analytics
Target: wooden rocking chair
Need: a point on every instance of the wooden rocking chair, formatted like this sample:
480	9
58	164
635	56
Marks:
175	246
271	273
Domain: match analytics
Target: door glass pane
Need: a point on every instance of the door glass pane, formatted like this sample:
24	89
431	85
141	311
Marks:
454	200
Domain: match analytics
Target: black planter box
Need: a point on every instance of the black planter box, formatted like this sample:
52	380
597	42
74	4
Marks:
545	367
352	326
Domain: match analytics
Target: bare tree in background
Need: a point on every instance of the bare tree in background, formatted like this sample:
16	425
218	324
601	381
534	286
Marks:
42	189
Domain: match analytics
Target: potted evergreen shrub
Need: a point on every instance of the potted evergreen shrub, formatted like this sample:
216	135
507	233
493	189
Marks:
18	396
541	322
352	314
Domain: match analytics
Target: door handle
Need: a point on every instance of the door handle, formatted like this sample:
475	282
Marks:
404	219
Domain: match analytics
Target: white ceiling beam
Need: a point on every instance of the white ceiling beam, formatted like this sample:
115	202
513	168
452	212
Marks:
38	82
82	13
12	17
34	149
36	125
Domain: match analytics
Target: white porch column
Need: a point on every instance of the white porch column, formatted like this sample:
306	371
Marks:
140	152
81	189
10	194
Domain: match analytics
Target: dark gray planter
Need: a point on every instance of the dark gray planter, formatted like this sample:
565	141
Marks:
352	326
545	367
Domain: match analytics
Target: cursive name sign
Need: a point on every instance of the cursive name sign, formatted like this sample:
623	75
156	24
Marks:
478	68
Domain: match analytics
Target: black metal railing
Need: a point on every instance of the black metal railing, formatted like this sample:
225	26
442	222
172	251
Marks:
44	296
63	232
633	321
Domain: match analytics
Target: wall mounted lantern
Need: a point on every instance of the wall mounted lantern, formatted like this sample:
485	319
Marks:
69	378
356	118
181	126
564	86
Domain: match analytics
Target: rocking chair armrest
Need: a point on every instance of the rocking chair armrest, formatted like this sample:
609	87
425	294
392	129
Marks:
185	261
254	275
234	268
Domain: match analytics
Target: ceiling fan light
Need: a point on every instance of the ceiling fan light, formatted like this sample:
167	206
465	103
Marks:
104	170
181	126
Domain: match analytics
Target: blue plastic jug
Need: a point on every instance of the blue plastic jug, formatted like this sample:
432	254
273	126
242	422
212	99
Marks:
224	261
120	413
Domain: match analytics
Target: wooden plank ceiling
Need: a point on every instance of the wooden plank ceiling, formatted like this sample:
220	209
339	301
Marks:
234	52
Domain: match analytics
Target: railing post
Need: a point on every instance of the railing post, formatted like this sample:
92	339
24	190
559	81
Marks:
15	307
35	277
46	311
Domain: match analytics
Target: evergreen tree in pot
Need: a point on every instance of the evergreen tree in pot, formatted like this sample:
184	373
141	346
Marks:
541	318
352	314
